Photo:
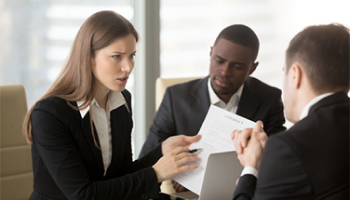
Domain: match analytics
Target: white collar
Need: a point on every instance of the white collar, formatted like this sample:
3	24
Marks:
115	100
306	109
215	99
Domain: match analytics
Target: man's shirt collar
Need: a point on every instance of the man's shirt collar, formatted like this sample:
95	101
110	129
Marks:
306	109
215	99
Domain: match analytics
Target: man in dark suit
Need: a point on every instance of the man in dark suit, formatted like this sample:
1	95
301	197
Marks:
311	159
229	86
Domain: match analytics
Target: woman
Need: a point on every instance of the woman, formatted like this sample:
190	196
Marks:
80	129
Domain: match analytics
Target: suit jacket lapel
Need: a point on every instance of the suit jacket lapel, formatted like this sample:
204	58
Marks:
121	125
96	152
249	101
200	100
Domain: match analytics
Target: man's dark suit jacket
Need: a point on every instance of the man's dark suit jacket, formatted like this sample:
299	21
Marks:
68	165
309	161
185	106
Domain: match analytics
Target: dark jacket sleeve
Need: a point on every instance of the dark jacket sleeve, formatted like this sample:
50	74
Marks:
245	188
53	139
281	176
163	125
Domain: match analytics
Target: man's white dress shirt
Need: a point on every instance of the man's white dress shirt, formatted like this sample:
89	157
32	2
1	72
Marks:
232	105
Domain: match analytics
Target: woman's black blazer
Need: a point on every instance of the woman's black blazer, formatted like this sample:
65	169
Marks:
68	165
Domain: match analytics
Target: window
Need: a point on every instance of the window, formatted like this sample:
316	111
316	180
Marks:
189	28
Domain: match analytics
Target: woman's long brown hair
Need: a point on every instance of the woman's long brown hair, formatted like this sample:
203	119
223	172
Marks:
76	81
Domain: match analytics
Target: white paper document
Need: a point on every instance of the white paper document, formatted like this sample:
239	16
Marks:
215	138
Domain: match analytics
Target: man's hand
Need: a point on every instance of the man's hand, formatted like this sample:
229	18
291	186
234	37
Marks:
180	140
178	187
241	138
252	153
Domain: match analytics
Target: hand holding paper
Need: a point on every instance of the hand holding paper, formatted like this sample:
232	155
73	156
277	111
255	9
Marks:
178	187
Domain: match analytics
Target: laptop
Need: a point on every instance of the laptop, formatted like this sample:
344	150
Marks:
222	172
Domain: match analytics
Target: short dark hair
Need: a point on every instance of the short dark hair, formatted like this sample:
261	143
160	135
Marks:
242	35
323	51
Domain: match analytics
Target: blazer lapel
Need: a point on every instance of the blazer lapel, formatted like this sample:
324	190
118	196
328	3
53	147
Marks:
121	125
96	152
200	100
249	101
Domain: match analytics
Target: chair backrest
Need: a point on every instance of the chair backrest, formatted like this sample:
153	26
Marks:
16	172
163	83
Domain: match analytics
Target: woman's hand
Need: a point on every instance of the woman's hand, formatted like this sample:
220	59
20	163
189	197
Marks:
172	163
180	140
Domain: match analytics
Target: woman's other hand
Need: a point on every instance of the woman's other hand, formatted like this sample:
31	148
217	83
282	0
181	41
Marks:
180	140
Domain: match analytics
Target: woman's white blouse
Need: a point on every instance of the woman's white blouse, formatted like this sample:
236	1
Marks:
102	122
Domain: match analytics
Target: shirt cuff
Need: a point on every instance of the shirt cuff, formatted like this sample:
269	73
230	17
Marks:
250	170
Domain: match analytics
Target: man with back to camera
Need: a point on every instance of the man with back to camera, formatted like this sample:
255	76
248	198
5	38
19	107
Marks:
311	159
229	86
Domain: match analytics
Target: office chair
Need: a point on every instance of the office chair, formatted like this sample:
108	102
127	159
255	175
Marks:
16	174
